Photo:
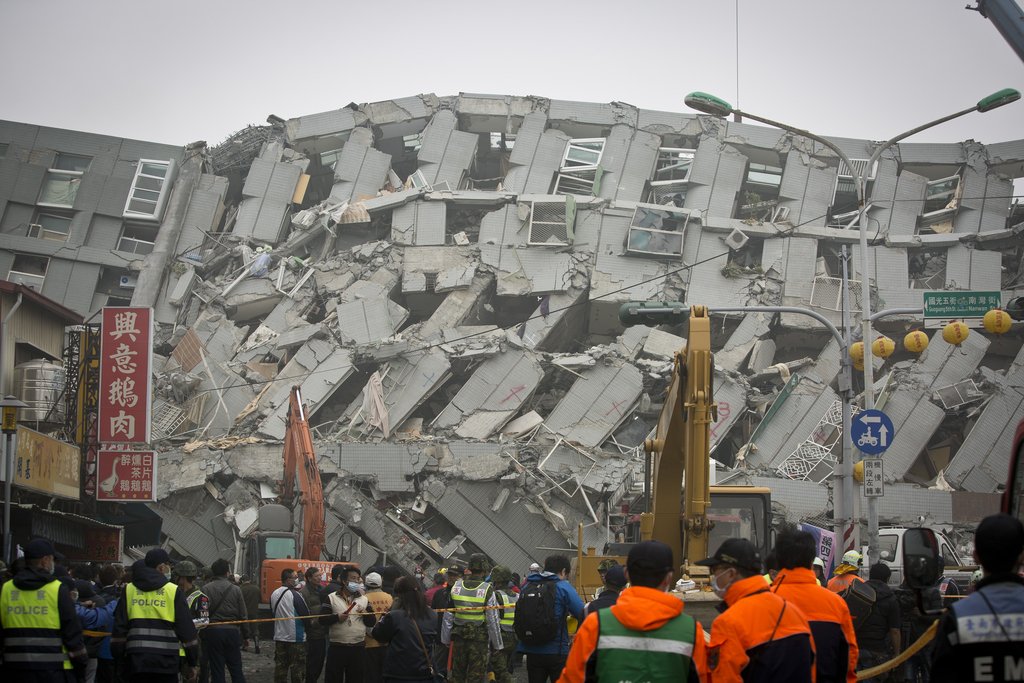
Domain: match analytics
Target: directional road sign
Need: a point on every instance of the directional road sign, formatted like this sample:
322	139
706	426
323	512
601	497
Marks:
872	432
940	308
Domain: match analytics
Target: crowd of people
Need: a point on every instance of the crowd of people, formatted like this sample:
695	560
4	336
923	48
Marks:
780	620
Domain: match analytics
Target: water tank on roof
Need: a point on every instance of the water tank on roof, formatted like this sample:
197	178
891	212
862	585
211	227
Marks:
40	384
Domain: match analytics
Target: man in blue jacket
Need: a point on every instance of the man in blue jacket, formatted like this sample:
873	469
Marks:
545	661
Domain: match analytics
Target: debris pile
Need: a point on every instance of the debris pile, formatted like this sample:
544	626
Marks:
441	277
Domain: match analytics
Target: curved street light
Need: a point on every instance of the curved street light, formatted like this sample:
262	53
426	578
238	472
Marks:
715	106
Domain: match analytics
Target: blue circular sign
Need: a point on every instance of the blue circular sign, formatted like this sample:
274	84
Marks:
872	431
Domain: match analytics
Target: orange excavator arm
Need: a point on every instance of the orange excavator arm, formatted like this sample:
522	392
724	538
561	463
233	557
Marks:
299	458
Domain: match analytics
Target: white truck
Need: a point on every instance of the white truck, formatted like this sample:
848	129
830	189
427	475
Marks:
890	548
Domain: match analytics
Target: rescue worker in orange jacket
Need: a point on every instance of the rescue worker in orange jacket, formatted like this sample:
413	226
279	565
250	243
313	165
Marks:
835	642
846	572
760	636
644	636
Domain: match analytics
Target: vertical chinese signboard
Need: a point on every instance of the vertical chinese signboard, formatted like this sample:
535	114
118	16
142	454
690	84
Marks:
126	355
126	476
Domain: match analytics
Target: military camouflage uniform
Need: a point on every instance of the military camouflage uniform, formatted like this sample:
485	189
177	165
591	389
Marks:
501	660
472	630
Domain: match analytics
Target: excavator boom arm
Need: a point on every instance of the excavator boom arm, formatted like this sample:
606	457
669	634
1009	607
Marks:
300	460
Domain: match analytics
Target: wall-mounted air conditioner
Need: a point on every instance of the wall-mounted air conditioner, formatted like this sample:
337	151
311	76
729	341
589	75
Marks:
736	239
128	281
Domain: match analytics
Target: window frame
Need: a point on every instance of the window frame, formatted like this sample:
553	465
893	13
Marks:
666	171
136	241
160	203
584	145
680	215
25	274
836	220
41	230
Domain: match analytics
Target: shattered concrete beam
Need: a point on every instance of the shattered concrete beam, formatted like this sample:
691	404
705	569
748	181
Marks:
597	404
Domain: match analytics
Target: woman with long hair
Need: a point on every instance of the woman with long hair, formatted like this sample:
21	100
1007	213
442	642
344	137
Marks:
410	629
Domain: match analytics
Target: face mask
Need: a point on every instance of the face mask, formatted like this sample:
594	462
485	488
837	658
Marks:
354	587
167	575
717	587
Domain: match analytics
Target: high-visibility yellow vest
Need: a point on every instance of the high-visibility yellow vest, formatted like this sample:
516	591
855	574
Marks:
31	624
508	612
469	598
151	621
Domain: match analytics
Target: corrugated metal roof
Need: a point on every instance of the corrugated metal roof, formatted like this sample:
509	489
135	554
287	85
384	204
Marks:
499	385
194	522
514	536
596	404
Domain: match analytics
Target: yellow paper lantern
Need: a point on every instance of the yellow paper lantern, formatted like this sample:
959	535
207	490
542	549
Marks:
883	347
997	321
858	472
857	352
956	333
916	341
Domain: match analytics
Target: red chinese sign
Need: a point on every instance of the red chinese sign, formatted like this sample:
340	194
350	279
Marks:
126	476
126	355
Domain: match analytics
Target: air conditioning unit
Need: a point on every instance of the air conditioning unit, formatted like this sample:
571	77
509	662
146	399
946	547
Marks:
128	281
736	239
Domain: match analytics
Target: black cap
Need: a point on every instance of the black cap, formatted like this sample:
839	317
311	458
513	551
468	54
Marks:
615	577
477	562
737	552
85	589
999	540
649	556
157	557
38	548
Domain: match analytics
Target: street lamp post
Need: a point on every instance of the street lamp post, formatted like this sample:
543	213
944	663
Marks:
709	104
9	407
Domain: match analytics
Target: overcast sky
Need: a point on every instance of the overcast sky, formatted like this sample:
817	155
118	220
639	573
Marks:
186	70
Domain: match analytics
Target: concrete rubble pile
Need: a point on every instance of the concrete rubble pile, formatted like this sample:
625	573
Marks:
441	277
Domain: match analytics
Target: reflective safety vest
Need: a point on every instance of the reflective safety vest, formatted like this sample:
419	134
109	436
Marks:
508	612
151	621
463	597
31	623
663	654
841	582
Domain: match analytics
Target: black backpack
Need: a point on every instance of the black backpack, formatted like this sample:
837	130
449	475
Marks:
535	621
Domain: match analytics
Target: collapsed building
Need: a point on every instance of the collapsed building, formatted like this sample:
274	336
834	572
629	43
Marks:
442	275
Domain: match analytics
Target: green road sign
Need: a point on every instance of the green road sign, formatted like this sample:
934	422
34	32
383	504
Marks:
970	307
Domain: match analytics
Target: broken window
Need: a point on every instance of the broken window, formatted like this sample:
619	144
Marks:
150	188
959	394
50	226
411	143
29	270
551	223
747	259
827	286
60	187
844	209
671	176
759	196
580	173
927	268
657	232
503	141
941	201
137	239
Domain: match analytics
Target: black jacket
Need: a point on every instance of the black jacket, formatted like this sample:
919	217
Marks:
148	579
873	629
607	598
70	628
405	657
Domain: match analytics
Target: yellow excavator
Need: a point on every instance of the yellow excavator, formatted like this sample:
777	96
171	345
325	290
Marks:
687	513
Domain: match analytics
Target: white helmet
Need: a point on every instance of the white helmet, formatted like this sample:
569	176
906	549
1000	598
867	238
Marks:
818	562
852	557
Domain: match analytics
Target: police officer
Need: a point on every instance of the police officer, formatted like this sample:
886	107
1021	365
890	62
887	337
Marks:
471	627
198	606
760	637
153	626
501	661
42	638
982	637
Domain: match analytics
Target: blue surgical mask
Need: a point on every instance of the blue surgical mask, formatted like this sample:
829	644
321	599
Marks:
354	587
